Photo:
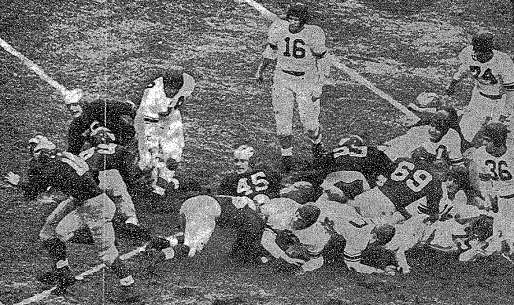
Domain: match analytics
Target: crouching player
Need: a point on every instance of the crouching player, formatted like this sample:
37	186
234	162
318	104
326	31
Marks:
90	206
248	182
313	226
159	128
113	164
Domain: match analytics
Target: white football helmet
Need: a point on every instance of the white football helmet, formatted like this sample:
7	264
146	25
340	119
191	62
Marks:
427	99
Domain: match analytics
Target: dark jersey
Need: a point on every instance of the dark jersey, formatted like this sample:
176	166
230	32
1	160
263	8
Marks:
62	171
258	181
410	181
368	160
109	114
110	156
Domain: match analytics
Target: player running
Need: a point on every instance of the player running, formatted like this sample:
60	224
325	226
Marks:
90	206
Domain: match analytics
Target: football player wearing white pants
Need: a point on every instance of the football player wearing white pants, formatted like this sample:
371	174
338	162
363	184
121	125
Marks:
491	170
299	50
159	128
314	225
492	98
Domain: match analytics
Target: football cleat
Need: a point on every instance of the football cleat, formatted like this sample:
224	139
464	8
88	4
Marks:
64	281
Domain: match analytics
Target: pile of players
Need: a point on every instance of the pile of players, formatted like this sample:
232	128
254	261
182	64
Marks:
431	182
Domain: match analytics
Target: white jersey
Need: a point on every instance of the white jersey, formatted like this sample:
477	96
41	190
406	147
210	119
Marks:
447	148
154	99
489	76
295	51
495	173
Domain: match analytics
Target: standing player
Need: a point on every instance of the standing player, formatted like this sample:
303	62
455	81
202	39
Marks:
298	49
493	94
70	174
491	173
110	114
159	127
253	182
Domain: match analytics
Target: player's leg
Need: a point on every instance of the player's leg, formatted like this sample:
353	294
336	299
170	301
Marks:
476	114
283	102
58	228
308	95
97	213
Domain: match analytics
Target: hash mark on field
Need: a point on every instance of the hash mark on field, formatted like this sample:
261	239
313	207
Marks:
40	296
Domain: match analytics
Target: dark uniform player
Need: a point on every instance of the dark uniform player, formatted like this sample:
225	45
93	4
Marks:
88	205
412	180
113	165
109	114
350	169
252	183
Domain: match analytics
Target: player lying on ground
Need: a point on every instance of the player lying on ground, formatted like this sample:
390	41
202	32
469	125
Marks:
300	233
90	206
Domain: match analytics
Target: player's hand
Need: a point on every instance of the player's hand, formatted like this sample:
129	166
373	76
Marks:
361	268
12	178
241	201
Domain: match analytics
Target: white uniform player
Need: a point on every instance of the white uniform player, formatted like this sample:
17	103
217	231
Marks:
314	225
298	49
493	167
493	94
159	127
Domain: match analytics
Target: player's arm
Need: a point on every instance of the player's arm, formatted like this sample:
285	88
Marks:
474	179
268	58
75	138
459	74
508	86
27	182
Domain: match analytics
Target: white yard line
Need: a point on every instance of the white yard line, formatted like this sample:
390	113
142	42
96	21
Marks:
337	63
40	296
352	73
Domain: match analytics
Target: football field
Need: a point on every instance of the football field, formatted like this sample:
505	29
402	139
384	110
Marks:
109	48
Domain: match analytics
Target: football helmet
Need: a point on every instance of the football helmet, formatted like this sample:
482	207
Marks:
384	233
483	42
354	140
306	216
497	132
41	148
244	152
298	10
427	99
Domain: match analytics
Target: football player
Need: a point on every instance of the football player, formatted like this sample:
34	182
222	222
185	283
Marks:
440	139
491	169
414	187
159	128
492	98
314	225
249	180
89	206
298	49
112	165
114	115
351	168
